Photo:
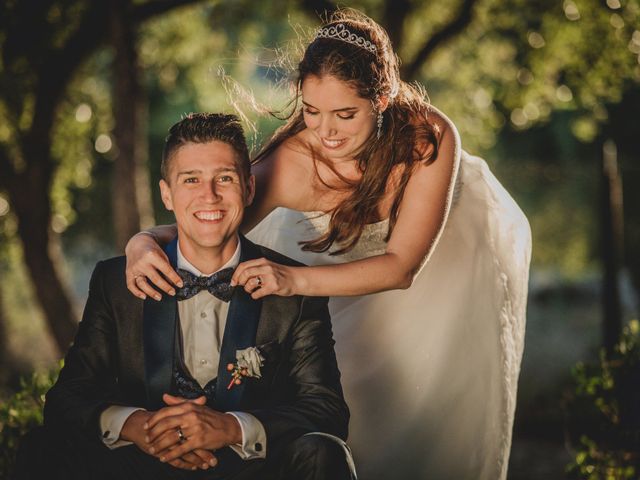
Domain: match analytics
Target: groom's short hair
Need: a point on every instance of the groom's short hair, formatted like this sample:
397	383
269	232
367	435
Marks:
205	128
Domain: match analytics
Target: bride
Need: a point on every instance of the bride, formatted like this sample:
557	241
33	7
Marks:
423	252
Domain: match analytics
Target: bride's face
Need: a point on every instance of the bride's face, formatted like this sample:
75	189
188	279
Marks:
339	119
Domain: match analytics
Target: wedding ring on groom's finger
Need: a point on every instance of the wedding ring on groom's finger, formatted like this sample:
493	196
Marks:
258	281
181	436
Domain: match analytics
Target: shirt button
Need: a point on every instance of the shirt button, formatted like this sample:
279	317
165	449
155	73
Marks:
203	362
203	314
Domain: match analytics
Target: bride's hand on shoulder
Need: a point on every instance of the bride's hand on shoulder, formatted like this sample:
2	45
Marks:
262	277
147	262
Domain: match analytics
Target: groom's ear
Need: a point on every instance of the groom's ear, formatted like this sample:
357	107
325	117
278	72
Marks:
250	190
165	193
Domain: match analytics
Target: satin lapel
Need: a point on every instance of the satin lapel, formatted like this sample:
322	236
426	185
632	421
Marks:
239	333
159	328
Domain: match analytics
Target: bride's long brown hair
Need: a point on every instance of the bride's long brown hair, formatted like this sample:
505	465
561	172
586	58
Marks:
407	136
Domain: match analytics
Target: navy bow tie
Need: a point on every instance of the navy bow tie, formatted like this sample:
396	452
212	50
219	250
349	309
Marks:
217	284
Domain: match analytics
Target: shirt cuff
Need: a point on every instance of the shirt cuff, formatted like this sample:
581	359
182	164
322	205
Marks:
254	437
112	419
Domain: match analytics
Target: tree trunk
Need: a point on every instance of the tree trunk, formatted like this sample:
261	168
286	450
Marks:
319	9
29	196
611	225
395	15
130	194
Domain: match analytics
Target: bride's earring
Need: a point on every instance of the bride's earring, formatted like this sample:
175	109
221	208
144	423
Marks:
379	123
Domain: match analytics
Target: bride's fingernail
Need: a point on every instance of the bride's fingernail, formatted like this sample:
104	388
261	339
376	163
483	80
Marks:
172	292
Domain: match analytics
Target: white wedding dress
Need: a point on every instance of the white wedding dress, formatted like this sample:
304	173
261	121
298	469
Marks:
430	373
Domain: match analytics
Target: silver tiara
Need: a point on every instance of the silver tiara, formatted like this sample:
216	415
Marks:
340	32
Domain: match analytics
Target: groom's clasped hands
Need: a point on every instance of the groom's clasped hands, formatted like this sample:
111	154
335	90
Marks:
184	433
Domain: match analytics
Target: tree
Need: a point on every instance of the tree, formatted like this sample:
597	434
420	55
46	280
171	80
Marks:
42	44
130	197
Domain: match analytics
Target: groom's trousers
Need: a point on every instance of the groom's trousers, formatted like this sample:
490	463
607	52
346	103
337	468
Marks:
70	455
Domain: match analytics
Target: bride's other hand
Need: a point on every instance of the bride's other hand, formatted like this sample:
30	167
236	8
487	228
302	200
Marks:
260	278
147	262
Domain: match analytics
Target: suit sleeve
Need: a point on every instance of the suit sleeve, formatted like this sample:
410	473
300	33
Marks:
87	383
316	403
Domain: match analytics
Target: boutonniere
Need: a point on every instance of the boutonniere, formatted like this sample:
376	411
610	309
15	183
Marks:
247	364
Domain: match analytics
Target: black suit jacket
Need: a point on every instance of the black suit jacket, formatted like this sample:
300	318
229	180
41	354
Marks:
123	355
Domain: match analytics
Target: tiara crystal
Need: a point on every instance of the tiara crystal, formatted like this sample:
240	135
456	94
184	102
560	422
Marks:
340	32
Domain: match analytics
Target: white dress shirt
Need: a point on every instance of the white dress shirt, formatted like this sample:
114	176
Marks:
202	321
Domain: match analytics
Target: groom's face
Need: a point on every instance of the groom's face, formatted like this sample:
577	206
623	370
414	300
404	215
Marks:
207	193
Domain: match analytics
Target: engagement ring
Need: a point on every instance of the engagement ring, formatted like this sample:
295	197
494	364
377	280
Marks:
181	436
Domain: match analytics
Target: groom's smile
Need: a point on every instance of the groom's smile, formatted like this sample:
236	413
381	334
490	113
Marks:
209	216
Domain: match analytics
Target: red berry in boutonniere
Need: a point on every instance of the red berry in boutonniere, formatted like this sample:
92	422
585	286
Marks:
248	363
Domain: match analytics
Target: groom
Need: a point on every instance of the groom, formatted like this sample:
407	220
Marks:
209	383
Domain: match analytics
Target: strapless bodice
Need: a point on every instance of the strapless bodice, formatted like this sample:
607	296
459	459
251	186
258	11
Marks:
371	242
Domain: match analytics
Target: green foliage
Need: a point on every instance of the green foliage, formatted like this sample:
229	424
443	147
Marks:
20	413
604	412
521	61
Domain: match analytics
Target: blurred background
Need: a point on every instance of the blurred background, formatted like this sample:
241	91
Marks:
547	91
